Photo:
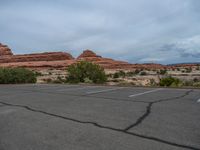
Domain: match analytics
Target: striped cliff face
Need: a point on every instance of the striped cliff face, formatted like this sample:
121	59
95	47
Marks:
55	60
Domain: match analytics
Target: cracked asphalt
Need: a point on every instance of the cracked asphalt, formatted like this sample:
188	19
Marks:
78	117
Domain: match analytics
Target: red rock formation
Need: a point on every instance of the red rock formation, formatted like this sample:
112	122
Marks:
107	63
53	56
88	54
5	50
38	60
61	60
40	65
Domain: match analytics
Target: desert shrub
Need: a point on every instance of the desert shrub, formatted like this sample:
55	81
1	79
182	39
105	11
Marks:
110	75
137	71
58	80
87	80
196	84
122	74
16	75
119	74
48	80
163	72
188	83
196	80
188	70
153	82
130	73
169	81
38	74
116	75
143	73
85	71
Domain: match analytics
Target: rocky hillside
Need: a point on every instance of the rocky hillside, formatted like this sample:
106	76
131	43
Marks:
60	60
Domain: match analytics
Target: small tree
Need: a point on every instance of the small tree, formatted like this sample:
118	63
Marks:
85	71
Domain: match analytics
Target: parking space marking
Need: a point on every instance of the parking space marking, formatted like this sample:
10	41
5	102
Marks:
101	91
147	92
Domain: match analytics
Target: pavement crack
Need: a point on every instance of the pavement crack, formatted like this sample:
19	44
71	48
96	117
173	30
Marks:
149	107
103	127
140	119
163	141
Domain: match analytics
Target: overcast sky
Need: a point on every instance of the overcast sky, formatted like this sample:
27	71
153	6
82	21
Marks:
138	31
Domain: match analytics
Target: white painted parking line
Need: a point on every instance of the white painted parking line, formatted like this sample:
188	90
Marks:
138	94
101	91
198	101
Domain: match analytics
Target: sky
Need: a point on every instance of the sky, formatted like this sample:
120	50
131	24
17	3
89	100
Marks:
137	31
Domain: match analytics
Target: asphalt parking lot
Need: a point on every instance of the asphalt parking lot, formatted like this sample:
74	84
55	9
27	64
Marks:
77	117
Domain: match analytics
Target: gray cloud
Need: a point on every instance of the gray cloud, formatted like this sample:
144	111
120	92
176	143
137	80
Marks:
134	30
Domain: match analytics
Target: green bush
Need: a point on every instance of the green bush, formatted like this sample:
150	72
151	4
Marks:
122	74
137	71
119	74
163	72
169	81
85	72
188	70
116	75
16	75
130	73
143	73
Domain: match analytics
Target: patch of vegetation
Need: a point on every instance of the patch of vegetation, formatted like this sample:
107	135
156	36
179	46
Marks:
193	83
163	72
38	74
130	74
116	75
143	73
170	81
59	80
119	74
137	71
188	70
16	75
153	82
85	72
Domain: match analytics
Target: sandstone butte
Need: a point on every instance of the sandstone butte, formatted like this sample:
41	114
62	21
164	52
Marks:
60	60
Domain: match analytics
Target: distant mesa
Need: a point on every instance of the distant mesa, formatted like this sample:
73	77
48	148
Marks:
60	60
